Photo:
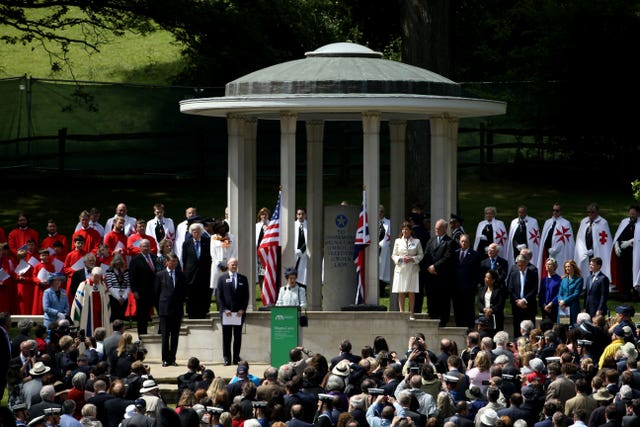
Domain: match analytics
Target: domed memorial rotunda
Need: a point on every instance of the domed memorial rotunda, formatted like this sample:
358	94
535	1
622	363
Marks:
339	81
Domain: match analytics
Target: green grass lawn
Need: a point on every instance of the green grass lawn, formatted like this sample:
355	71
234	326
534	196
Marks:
133	58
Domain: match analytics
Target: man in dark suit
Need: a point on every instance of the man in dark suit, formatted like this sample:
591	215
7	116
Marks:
345	353
597	289
48	395
116	407
170	289
495	262
110	345
196	264
440	260
233	299
416	220
522	287
466	284
142	274
5	350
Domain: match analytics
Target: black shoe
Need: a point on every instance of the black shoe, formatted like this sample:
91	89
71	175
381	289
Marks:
174	363
226	362
164	364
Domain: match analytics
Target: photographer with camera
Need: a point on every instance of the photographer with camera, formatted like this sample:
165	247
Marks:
381	413
326	415
412	383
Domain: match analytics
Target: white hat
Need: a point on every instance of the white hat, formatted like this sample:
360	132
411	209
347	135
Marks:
489	417
148	385
342	369
39	369
130	411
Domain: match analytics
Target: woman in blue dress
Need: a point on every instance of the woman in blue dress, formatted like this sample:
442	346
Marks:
569	293
549	287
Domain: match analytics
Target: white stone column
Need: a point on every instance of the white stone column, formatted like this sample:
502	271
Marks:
246	245
371	175
236	177
315	133
398	133
288	182
452	136
443	168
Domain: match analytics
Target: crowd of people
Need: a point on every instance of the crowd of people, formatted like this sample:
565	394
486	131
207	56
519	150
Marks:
548	375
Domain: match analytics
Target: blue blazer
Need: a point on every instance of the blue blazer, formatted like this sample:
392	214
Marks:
570	289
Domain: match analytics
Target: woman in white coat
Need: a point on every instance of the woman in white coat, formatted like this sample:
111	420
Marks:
407	254
223	248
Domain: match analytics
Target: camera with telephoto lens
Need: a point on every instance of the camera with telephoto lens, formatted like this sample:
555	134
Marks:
259	404
325	397
374	391
214	410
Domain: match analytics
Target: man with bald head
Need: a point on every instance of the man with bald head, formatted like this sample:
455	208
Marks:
233	298
439	256
129	221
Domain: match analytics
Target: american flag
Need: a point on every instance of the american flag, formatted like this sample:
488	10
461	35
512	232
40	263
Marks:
362	241
268	254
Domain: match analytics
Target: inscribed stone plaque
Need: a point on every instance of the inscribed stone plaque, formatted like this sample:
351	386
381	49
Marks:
339	285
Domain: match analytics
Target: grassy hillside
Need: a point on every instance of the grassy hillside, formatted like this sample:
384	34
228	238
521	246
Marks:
133	58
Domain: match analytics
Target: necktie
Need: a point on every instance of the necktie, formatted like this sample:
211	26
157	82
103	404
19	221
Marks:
149	262
522	279
381	232
302	244
235	282
461	256
197	245
172	273
493	263
437	241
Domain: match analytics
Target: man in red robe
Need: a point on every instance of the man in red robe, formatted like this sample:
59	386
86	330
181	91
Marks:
91	237
18	238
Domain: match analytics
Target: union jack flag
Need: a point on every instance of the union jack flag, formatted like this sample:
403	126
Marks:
363	239
268	254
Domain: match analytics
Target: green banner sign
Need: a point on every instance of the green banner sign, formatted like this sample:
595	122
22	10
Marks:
284	333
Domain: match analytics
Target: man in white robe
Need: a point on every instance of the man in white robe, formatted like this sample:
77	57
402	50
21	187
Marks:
384	254
625	265
523	233
593	239
491	230
91	308
160	227
556	242
301	244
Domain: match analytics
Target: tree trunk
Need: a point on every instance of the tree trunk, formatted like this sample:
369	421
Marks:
426	44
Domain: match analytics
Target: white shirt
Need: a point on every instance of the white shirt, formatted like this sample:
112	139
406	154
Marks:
296	296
